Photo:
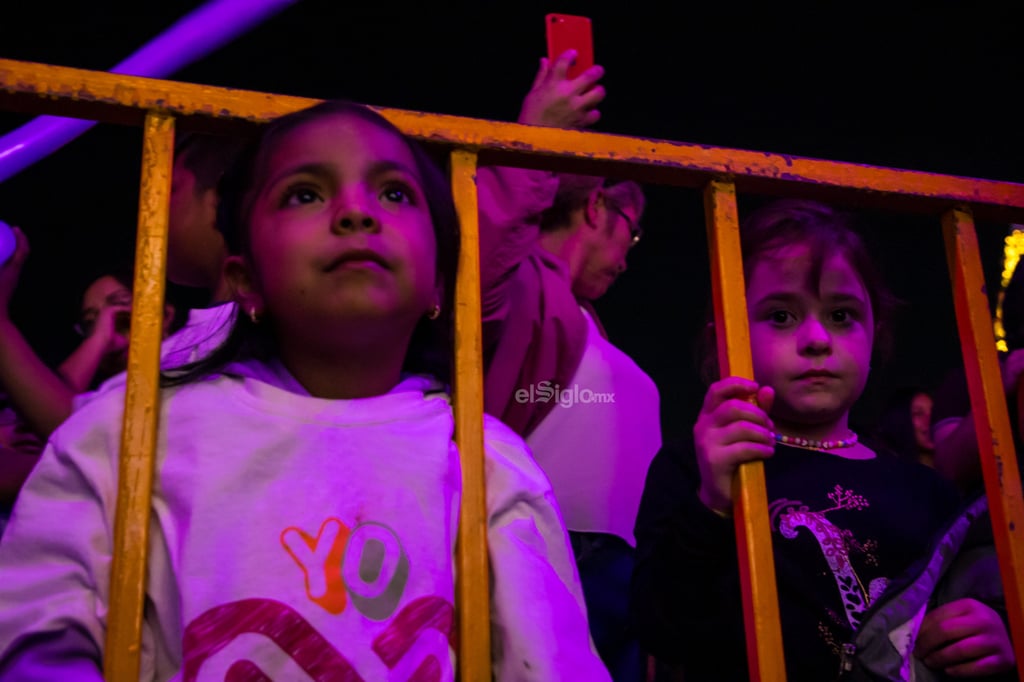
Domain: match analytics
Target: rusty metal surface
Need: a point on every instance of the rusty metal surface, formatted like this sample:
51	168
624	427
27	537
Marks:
473	583
141	411
750	507
39	88
66	91
991	418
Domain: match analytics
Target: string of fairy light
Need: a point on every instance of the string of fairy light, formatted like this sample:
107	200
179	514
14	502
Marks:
1013	247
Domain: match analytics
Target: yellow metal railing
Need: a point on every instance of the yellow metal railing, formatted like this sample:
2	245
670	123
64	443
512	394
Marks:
719	172
141	405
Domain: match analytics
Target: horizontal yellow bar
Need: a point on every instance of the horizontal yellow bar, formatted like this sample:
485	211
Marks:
42	88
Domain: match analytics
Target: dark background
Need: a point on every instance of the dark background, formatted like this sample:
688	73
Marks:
931	88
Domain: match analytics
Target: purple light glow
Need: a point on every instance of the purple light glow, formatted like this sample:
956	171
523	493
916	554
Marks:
191	38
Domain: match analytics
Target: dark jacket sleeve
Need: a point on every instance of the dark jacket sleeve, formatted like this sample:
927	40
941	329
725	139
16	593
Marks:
510	201
685	594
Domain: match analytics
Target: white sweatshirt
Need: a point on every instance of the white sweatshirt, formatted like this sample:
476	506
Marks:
299	537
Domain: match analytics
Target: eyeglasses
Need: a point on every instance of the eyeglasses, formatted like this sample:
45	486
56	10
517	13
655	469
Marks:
635	231
86	325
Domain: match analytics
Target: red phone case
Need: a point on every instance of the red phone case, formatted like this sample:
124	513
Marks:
567	31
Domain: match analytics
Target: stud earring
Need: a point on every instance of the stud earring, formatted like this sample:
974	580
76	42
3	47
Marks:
434	313
253	315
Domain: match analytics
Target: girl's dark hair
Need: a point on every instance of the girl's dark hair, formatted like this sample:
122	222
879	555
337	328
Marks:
574	191
122	270
826	231
429	349
207	156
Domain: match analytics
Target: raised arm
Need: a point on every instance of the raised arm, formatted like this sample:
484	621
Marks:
512	199
39	394
80	368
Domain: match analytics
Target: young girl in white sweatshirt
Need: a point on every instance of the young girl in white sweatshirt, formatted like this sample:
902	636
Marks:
307	486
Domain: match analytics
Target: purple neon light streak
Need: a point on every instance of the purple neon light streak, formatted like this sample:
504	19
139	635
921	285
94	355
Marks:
191	38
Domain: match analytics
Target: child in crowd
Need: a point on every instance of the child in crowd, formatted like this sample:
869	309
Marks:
905	424
104	322
37	398
873	574
195	247
306	472
43	396
195	251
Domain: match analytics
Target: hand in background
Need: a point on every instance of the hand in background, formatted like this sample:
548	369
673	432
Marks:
965	638
559	102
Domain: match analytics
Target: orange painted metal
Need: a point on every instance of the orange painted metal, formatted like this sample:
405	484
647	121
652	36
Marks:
141	408
750	507
472	588
42	88
991	418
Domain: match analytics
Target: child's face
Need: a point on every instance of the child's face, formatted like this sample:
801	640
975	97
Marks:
921	417
341	230
811	341
104	292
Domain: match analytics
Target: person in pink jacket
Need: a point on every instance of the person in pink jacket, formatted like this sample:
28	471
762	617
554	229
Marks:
551	244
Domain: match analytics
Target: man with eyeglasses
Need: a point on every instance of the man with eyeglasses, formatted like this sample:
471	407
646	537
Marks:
550	245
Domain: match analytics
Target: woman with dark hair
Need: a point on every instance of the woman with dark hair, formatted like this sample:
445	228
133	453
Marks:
905	424
44	397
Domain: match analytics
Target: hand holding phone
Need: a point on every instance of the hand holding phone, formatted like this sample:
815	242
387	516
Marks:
561	97
570	32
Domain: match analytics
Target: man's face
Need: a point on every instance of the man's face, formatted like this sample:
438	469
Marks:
605	249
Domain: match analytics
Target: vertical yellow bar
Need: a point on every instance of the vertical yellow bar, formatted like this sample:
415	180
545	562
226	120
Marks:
750	510
991	419
141	407
472	588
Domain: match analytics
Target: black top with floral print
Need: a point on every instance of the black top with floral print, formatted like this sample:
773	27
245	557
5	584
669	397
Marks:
841	530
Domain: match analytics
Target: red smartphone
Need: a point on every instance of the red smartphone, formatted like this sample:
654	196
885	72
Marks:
567	31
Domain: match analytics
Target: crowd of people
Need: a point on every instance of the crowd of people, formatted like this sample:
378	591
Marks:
306	495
